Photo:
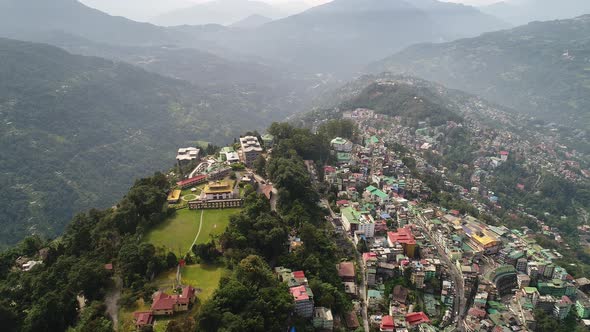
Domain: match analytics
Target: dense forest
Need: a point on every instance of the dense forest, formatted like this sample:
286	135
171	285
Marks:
44	299
75	131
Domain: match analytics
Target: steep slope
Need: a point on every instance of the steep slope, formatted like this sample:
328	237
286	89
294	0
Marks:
525	11
541	68
345	34
75	131
223	12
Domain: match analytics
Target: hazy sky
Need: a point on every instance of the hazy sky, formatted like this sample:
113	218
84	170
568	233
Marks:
143	10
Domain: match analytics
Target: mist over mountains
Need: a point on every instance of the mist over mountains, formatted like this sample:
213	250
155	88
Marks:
542	68
520	12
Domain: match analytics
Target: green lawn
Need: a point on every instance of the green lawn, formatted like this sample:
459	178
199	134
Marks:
215	222
178	233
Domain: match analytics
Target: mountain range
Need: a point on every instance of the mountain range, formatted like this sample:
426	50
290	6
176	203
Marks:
520	12
542	68
76	131
224	12
342	35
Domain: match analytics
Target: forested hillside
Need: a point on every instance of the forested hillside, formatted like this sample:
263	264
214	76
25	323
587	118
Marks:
542	68
75	131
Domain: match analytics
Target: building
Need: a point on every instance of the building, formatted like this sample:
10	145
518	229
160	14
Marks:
303	297
323	319
583	305
174	196
387	324
186	155
143	319
404	237
251	150
376	195
346	271
353	221
340	144
164	304
417	318
556	287
375	298
268	141
229	155
562	308
418	278
194	181
504	278
218	190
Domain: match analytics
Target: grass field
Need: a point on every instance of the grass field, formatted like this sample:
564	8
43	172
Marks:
215	222
178	233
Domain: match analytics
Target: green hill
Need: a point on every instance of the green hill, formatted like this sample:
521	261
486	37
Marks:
542	68
75	131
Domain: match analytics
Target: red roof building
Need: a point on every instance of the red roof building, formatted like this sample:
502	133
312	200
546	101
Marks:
164	304
404	237
417	318
476	312
367	256
143	318
299	293
192	181
387	324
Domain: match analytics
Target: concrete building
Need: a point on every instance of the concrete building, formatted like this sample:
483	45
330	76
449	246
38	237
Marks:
186	155
251	150
303	297
323	319
340	144
404	237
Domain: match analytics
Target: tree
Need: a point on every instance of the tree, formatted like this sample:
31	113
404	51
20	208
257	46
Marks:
206	251
260	166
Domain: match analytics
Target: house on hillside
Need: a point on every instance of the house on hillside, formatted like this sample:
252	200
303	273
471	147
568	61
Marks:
143	319
165	305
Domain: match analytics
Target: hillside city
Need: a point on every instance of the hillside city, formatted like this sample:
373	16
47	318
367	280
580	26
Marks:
294	166
414	265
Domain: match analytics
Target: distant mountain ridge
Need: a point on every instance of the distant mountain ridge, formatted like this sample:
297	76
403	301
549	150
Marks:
542	68
26	18
223	12
345	34
252	21
525	11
